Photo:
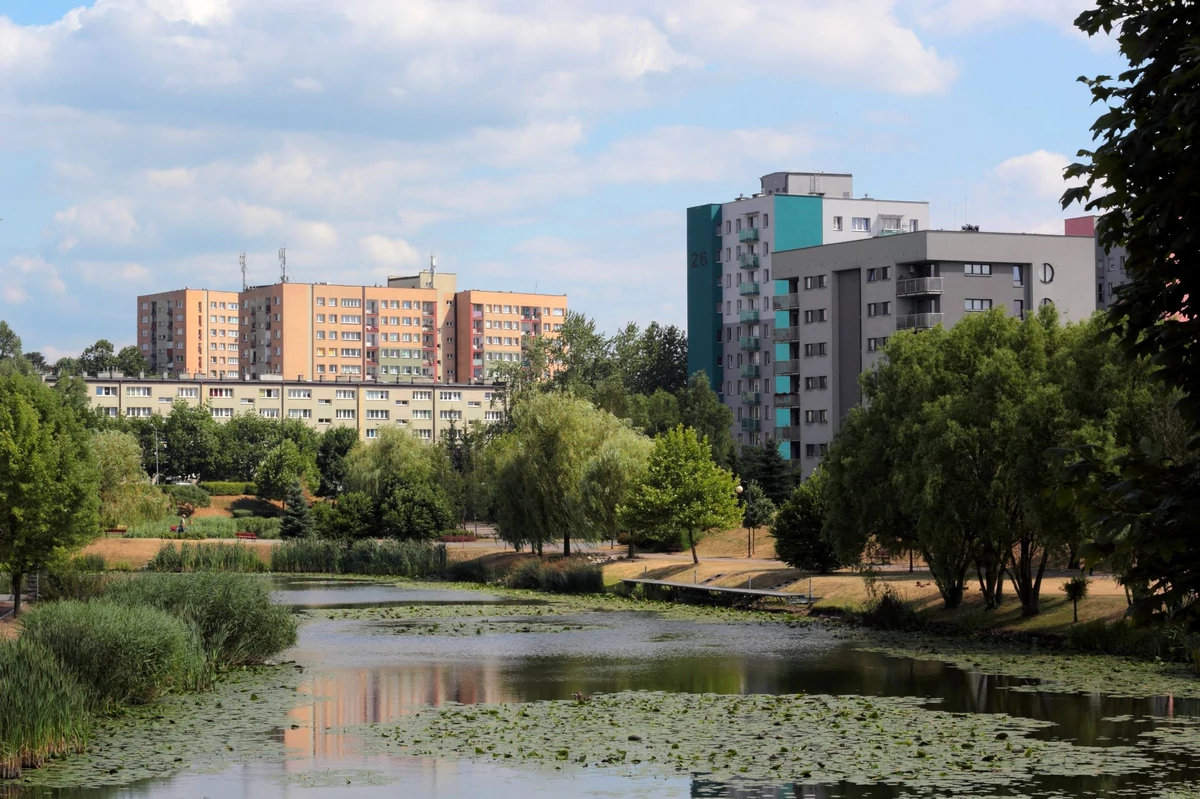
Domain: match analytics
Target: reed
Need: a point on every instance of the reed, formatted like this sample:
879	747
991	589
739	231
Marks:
43	708
562	576
119	653
206	557
236	620
368	557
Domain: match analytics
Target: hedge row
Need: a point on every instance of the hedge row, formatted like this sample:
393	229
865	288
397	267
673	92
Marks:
228	488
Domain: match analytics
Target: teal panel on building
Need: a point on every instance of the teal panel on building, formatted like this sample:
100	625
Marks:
781	287
785	450
783	384
783	417
797	222
781	351
703	291
781	319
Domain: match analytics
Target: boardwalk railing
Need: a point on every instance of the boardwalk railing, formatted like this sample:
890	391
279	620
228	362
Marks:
700	590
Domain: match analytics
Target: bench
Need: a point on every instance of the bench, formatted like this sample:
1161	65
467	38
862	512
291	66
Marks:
247	536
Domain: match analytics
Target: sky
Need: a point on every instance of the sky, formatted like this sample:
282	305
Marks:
532	144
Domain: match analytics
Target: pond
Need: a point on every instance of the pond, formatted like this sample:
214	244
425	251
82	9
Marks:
395	679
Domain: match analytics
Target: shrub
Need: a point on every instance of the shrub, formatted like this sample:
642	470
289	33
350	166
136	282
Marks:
236	619
241	513
228	488
120	653
797	529
306	555
562	576
206	557
415	511
186	498
43	708
260	526
887	611
88	562
73	583
471	571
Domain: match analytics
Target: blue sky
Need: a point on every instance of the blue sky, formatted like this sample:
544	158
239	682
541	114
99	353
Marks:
144	143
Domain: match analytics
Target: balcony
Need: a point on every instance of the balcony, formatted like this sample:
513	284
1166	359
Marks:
786	334
748	316
787	433
748	234
785	302
751	398
747	261
918	321
787	400
751	371
749	289
918	286
752	425
787	367
750	342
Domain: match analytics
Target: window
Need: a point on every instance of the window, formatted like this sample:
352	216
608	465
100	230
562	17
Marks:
139	413
1017	279
977	305
885	273
351	320
808	283
808	317
422	395
977	270
820	281
299	393
821	317
1046	274
106	391
1019	308
860	224
872	309
811	350
492	416
299	413
450	416
450	396
422	414
220	393
137	391
872	344
810	450
913	227
344	393
766	220
268	393
188	393
872	275
822	416
344	413
221	413
351	352
810	417
885	308
321	302
824	449
269	413
889	222
375	394
377	414
837	223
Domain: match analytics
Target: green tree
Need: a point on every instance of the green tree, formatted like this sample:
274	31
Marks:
245	440
191	441
702	410
187	498
609	479
126	494
799	541
757	511
130	361
282	466
10	343
766	466
683	490
37	361
654	414
581	355
336	444
297	521
661	361
97	358
415	511
49	481
67	366
349	518
395	457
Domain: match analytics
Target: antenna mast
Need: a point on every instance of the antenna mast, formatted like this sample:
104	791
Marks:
283	265
432	269
242	264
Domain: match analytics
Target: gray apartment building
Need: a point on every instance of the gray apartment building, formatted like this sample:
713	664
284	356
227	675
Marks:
836	305
1110	264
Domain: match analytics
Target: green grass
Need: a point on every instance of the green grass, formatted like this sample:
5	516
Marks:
386	558
207	527
236	619
119	652
206	557
43	708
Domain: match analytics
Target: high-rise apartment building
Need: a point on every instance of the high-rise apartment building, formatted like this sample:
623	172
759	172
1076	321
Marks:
189	331
416	328
835	307
1110	264
731	247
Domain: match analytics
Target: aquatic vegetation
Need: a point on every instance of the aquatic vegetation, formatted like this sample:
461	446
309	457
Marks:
476	627
559	576
207	557
43	708
367	557
119	653
236	619
756	739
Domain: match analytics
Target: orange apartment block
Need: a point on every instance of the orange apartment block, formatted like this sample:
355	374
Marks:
190	331
492	324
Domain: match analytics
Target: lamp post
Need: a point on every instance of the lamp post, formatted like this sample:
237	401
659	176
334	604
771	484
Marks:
738	491
154	427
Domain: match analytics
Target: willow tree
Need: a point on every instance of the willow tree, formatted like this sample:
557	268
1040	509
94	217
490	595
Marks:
126	494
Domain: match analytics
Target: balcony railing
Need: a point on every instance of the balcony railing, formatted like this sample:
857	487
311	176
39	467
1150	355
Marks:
752	425
785	302
749	289
787	434
787	400
751	397
787	367
747	261
750	342
786	334
748	316
751	371
748	234
918	321
916	286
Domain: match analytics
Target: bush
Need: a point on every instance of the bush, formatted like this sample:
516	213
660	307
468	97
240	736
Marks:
43	708
241	513
194	529
387	558
415	511
307	556
73	583
260	526
236	619
797	529
186	498
206	557
120	653
562	576
88	562
888	611
228	488
471	571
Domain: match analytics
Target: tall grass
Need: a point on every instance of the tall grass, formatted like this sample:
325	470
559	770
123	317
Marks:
236	620
1122	637
386	558
206	557
43	708
120	653
562	576
207	527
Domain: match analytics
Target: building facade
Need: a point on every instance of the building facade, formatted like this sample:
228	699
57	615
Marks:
404	331
835	307
731	246
425	408
1110	264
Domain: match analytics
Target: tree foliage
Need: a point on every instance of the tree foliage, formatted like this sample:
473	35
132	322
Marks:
702	410
283	465
415	511
187	498
799	541
336	444
765	466
126	494
297	521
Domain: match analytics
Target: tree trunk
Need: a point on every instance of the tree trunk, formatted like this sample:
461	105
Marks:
539	549
566	545
692	544
952	596
1026	584
631	547
749	544
17	580
1075	611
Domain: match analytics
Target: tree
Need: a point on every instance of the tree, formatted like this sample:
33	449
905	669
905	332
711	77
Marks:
757	511
415	511
702	410
187	498
49	481
297	521
244	441
609	479
654	414
97	358
67	366
336	444
282	466
683	490
130	361
350	517
1076	589
661	362
126	494
10	343
395	457
37	361
765	466
581	355
192	445
799	541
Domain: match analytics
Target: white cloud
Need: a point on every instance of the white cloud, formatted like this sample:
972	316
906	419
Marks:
307	84
107	221
391	253
25	276
1019	195
959	16
1039	173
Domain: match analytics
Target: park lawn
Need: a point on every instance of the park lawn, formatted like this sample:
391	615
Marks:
137	552
225	506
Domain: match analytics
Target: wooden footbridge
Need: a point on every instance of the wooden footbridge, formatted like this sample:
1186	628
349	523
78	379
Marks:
720	592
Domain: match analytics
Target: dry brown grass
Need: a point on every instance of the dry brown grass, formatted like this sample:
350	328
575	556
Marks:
224	506
137	552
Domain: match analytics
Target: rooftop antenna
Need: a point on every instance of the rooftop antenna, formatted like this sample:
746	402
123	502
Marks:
283	265
432	269
242	264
